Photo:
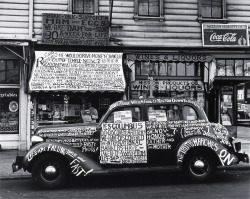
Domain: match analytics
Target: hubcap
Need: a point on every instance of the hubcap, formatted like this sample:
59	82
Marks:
199	166
50	171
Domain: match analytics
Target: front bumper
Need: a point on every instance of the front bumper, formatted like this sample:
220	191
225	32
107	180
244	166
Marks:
242	157
17	163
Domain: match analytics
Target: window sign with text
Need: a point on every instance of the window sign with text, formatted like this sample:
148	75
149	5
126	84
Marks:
9	111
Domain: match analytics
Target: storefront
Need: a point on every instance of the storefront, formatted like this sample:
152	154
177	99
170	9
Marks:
13	98
62	83
168	75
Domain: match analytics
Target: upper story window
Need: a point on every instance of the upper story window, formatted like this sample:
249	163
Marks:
85	6
9	71
149	9
212	10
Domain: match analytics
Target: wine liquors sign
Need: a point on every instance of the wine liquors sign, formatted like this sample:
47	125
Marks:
225	35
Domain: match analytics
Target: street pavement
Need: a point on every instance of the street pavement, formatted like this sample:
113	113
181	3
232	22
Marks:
7	157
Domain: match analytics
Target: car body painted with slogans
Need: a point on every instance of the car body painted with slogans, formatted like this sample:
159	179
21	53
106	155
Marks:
134	135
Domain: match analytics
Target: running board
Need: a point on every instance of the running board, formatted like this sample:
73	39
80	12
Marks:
133	170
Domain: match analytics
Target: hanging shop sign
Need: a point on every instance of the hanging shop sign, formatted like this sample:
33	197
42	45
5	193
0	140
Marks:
167	85
225	35
75	29
170	57
77	71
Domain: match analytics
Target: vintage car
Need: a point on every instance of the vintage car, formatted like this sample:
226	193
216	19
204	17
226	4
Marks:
134	135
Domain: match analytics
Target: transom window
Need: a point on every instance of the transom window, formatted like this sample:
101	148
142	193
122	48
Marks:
233	67
84	6
167	68
9	71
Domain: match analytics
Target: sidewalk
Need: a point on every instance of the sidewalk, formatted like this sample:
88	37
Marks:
7	157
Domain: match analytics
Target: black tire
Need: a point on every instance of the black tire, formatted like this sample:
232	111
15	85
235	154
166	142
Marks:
199	166
50	171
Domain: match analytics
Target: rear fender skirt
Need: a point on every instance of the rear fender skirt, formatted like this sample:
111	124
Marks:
79	163
226	158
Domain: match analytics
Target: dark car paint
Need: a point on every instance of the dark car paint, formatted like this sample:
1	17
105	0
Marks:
87	160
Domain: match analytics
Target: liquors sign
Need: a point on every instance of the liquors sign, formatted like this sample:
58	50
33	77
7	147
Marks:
225	35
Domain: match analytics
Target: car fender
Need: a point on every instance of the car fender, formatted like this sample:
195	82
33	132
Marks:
226	158
79	163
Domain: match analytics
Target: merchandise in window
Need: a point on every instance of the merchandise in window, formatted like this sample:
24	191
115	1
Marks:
9	111
233	67
167	68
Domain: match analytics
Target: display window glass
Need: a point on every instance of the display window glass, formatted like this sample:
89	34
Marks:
9	71
233	67
9	111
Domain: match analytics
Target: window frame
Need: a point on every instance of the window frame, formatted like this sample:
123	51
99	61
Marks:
14	85
95	7
207	19
158	18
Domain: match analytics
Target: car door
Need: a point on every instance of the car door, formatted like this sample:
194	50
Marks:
163	130
123	137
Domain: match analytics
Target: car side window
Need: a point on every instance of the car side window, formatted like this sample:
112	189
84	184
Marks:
189	113
162	113
125	115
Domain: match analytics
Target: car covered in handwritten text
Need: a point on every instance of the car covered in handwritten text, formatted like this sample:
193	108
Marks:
134	135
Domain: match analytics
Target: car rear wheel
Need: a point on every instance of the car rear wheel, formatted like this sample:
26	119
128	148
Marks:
199	166
50	171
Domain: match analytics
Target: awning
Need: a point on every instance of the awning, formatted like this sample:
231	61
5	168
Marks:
77	71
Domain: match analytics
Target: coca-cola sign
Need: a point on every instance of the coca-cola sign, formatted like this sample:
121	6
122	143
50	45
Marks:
225	35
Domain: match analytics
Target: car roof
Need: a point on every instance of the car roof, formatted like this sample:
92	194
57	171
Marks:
148	101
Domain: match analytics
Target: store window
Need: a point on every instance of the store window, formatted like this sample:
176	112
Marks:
9	111
65	108
233	67
153	68
149	9
9	71
212	10
85	6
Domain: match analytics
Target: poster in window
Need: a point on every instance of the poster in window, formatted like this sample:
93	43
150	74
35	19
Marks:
123	117
225	118
9	111
238	67
247	68
157	115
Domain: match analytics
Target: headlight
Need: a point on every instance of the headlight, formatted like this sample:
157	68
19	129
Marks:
36	139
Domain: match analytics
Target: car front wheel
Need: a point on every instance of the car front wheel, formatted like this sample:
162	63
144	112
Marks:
50	171
199	167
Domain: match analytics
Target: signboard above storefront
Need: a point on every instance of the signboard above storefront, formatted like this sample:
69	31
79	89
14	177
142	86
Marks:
77	71
230	35
170	57
167	85
75	29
